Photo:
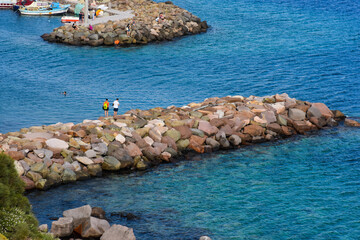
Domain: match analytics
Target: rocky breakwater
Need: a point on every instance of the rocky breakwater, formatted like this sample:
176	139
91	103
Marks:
90	223
144	27
61	153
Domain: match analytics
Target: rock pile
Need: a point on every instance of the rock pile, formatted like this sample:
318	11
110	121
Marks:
62	153
144	27
88	223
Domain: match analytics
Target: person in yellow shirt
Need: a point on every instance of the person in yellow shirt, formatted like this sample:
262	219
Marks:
106	107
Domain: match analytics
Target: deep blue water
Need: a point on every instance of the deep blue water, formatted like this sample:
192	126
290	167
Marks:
305	188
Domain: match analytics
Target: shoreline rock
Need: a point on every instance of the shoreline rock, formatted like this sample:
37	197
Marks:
144	27
47	156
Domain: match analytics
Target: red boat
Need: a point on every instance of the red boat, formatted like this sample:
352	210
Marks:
20	3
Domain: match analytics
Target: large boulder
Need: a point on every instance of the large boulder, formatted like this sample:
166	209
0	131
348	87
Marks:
296	114
207	128
94	227
133	150
68	175
185	131
37	135
155	135
275	127
63	227
90	154
40	168
16	155
56	167
120	138
33	176
111	164
173	133
235	140
29	184
319	110
19	168
80	215
43	153
351	123
116	232
303	126
55	143
254	130
54	178
182	144
213	143
100	148
170	142
84	160
268	116
197	132
95	170
123	157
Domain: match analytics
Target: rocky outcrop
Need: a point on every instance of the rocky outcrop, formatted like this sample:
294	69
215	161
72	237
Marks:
144	26
79	221
63	227
63	153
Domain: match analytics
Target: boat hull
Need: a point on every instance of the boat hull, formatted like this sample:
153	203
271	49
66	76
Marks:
7	4
67	19
44	8
50	12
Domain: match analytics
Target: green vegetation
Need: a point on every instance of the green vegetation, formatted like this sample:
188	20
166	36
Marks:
16	219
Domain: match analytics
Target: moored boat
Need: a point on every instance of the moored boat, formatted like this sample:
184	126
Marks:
7	4
44	8
69	19
23	3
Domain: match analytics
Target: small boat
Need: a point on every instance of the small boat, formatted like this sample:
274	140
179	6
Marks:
7	4
44	8
69	19
23	3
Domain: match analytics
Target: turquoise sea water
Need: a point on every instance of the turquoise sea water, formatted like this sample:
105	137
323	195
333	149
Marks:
301	188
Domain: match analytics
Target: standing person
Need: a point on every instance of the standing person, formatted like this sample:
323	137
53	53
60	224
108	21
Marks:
106	107
128	29
116	106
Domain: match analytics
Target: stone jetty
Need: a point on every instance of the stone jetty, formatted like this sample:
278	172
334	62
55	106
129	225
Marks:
144	27
139	139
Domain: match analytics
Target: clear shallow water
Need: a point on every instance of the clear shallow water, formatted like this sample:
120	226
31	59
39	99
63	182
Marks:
309	49
303	189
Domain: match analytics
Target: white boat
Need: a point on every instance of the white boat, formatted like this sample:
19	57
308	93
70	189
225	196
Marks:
7	4
44	8
69	19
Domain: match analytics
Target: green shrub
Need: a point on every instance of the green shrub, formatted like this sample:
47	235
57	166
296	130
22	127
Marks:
11	186
16	219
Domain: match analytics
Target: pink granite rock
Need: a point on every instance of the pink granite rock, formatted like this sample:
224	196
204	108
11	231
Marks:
207	128
16	155
319	110
133	150
254	130
185	131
